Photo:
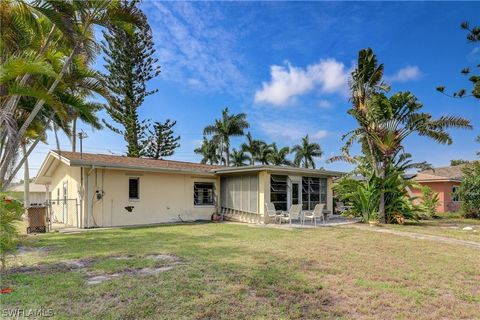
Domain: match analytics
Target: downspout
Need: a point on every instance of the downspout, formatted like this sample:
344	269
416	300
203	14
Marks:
88	198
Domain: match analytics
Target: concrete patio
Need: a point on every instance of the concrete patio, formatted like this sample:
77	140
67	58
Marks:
332	221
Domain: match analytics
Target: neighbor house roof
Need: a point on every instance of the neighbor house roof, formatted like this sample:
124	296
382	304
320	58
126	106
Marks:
453	173
32	187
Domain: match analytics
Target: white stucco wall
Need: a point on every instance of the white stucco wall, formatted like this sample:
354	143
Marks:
163	198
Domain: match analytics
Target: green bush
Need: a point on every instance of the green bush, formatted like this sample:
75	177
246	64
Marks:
363	196
429	202
11	211
470	190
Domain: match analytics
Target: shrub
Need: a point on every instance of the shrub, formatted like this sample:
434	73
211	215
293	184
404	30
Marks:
362	195
429	202
11	211
470	190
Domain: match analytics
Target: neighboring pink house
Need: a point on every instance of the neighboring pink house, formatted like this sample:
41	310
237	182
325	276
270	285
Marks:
445	181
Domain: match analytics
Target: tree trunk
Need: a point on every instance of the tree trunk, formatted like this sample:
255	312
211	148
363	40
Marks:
227	155
26	179
10	150
7	181
381	207
74	134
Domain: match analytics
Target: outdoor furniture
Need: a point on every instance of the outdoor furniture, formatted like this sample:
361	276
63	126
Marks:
270	212
341	208
293	214
313	215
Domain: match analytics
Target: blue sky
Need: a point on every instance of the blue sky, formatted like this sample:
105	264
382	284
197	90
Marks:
287	64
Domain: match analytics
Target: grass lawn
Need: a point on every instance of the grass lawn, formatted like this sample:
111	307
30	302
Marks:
244	272
450	228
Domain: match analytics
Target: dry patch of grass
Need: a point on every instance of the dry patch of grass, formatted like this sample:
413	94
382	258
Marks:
235	271
450	228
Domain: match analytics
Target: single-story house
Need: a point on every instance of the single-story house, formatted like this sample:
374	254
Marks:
445	181
96	190
37	193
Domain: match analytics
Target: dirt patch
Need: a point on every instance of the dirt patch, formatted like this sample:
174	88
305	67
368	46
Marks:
168	263
54	267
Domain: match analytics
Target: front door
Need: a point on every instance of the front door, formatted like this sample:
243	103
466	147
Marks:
295	193
65	199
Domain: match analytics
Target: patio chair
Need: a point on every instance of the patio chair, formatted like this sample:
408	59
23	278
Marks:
270	212
316	213
292	214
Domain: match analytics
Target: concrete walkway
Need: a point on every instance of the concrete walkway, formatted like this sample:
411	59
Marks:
420	236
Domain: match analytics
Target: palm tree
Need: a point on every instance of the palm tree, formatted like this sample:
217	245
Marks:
238	158
305	153
366	81
252	146
264	153
229	125
279	157
48	36
208	150
397	118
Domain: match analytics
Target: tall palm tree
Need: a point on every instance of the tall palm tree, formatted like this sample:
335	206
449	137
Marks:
48	36
279	157
252	146
305	152
366	81
238	158
264	153
398	117
208	151
229	125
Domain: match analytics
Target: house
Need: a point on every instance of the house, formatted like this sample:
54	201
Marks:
95	190
445	181
37	193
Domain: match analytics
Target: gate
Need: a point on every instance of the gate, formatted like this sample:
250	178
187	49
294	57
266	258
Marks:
64	211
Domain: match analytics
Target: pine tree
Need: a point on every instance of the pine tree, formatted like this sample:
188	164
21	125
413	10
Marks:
130	64
162	143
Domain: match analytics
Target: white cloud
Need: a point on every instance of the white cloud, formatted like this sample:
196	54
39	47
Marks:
320	134
405	74
288	82
324	104
291	131
194	51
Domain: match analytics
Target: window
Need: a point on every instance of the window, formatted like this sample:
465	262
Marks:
278	191
314	191
133	188
295	193
455	195
203	194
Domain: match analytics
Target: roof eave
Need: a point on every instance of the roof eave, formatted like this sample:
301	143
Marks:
284	169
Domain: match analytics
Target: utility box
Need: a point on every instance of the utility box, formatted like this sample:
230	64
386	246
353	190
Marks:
37	220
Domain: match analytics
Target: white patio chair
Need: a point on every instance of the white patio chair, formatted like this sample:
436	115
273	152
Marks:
316	213
293	214
271	212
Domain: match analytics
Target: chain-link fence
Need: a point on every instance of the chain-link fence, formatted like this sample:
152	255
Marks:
64	211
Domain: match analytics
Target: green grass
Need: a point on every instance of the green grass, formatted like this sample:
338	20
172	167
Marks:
243	272
450	228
